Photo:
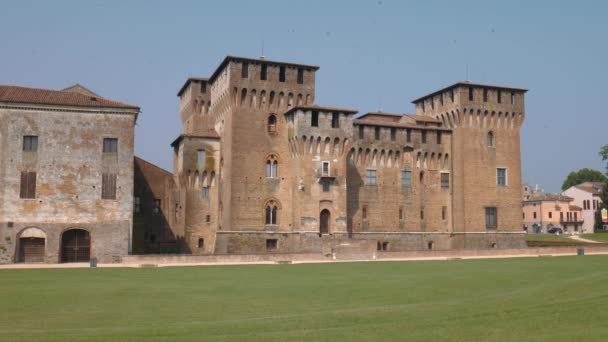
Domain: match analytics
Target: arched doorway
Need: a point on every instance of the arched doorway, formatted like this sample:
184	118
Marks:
32	242
75	246
324	220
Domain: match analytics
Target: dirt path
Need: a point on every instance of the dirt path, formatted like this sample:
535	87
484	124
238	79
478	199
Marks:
578	238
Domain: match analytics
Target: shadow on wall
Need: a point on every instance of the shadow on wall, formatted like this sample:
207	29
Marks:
153	231
353	183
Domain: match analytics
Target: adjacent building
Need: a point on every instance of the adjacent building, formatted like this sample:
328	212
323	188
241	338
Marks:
66	175
587	196
261	168
543	211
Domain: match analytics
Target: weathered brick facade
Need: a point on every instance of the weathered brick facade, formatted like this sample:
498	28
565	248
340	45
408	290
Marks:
292	176
68	161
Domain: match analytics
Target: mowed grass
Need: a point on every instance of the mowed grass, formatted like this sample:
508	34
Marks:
600	237
521	299
550	238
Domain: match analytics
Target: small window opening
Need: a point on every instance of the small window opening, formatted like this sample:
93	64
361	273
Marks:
430	245
512	98
335	120
490	139
264	73
300	76
364	212
377	133
438	137
393	134
423	137
325	185
30	143
408	135
272	124
485	94
499	96
361	132
203	87
110	145
272	244
245	70
201	243
444	213
282	74
470	94
208	218
314	119
156	208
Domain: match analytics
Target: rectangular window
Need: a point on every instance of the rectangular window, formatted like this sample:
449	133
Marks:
208	218
203	87
499	96
108	186
377	133
201	243
314	119
282	74
423	105
445	180
400	214
364	212
156	208
470	94
136	204
422	214
325	168
361	132
200	158
300	76
441	99
370	177
264	72
485	94
438	137
245	70
205	192
432	100
325	185
491	218
271	244
512	98
452	95
110	145
501	176
575	216
534	214
408	135
28	185
444	213
30	143
335	120
406	178
423	137
550	215
393	134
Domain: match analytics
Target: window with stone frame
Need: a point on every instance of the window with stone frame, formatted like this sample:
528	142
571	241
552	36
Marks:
314	119
28	185
272	244
501	176
406	178
335	120
156	208
110	145
272	166
108	186
445	180
272	124
270	213
281	74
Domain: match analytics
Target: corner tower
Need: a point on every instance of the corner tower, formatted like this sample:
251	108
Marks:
486	122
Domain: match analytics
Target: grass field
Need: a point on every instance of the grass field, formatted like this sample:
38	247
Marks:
522	299
548	240
601	237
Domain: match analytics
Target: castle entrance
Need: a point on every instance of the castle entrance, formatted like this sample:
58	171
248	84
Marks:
75	246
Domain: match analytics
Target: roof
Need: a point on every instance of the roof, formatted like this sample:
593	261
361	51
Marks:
423	118
536	197
211	135
256	60
574	207
321	108
388	116
385	123
469	84
139	161
190	79
16	94
594	188
78	88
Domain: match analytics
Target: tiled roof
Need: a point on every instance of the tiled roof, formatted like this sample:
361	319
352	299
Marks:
574	207
211	134
535	197
382	116
423	118
15	94
386	123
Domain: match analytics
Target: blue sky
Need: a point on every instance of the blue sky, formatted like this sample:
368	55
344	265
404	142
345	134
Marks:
372	54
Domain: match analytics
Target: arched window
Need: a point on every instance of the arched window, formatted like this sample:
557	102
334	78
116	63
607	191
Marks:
272	166
272	124
490	139
271	211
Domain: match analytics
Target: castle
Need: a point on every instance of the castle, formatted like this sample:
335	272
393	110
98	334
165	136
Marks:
261	168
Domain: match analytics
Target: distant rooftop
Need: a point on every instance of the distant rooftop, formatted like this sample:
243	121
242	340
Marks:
72	96
190	79
321	108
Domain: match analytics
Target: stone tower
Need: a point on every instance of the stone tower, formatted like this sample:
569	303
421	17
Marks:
485	122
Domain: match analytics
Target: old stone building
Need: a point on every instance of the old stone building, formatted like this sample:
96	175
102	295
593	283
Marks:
66	175
261	168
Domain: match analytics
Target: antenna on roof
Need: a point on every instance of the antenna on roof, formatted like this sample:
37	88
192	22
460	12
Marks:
262	56
379	104
467	72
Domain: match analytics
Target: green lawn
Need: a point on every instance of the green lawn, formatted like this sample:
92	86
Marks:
549	237
521	299
602	237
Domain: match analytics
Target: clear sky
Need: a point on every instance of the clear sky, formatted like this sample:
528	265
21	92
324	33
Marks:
373	54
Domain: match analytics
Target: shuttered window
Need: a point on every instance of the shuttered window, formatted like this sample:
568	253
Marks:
108	186
110	145
30	143
28	185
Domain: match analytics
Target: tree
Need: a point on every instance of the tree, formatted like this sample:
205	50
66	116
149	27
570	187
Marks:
604	154
584	175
